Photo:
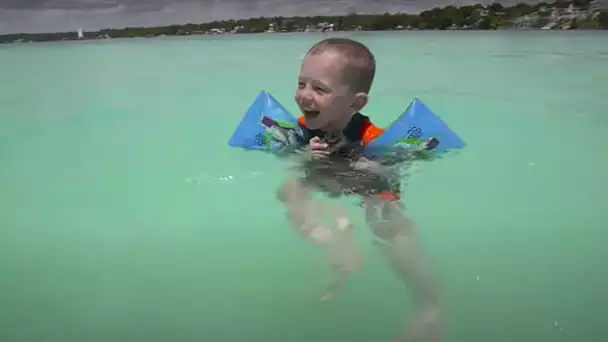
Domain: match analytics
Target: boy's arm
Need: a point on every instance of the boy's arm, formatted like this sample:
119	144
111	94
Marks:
291	151
299	143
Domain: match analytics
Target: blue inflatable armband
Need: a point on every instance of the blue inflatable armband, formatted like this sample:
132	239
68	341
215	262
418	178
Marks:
267	126
416	129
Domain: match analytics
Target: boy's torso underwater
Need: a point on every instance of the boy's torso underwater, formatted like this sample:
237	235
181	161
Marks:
340	173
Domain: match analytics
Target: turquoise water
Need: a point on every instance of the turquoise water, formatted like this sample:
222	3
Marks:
124	215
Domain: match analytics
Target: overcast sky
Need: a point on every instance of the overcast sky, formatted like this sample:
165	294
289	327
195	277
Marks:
69	15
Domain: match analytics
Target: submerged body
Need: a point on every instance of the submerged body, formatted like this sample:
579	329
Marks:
333	87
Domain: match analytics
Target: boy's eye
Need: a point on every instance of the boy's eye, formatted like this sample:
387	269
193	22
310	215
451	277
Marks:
320	90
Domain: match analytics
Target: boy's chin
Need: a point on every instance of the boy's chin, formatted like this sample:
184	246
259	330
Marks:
313	122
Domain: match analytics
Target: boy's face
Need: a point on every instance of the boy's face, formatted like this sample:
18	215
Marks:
322	95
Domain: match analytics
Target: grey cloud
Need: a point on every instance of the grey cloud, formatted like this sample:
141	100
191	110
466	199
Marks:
58	4
22	4
92	4
146	5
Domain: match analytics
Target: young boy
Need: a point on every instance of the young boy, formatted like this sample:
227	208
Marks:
335	78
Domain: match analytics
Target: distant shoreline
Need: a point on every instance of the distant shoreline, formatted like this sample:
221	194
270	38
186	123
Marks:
558	15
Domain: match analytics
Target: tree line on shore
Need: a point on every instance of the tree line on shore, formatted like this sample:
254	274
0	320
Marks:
561	14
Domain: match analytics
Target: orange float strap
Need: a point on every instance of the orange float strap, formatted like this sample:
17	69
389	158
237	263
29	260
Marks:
369	132
301	120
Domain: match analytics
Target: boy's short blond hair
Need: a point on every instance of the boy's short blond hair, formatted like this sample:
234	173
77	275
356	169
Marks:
360	62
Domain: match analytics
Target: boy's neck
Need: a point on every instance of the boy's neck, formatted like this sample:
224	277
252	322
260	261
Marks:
340	125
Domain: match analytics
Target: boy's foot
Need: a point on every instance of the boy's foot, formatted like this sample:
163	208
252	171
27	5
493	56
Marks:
424	326
327	296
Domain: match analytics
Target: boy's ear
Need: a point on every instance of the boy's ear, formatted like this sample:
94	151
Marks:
359	101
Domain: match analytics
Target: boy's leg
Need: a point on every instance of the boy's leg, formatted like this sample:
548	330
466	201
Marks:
388	222
301	211
296	198
343	254
305	216
336	285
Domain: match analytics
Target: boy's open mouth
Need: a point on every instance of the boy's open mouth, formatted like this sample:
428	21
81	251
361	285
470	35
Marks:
311	114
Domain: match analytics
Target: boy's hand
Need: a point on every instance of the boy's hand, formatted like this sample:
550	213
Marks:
318	148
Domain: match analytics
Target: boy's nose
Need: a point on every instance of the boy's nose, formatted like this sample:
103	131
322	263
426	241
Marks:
306	97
